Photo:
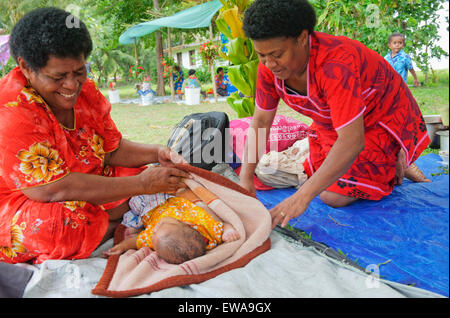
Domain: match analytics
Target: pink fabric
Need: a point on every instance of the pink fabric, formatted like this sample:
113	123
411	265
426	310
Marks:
4	49
284	132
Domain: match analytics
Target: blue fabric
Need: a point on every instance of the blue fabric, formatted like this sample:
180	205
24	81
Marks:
401	62
142	93
410	228
230	87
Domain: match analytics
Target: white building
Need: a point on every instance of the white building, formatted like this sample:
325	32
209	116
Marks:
188	55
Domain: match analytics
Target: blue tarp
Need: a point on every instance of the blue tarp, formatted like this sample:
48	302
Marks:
196	17
409	229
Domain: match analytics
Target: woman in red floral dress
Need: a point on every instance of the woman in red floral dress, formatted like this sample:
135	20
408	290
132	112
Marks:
367	128
66	173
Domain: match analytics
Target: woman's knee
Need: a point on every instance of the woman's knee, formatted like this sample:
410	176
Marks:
336	200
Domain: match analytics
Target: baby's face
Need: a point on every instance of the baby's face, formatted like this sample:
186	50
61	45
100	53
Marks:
396	44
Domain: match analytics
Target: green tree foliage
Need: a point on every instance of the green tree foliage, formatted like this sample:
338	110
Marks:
372	21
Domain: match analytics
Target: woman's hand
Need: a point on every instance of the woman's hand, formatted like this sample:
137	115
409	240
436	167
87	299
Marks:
168	157
287	209
162	179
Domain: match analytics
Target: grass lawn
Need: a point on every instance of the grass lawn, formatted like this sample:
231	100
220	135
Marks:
153	124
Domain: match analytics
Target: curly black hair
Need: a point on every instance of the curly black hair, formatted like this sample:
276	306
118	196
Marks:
46	32
266	19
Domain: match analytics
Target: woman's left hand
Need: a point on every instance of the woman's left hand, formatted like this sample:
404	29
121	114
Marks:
168	157
289	208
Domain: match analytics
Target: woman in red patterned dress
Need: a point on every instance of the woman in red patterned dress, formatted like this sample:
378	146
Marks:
66	173
367	128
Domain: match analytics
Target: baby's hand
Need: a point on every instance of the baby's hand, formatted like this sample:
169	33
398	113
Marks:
229	233
115	250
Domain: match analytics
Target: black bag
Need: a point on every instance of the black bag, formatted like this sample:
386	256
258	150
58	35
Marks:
202	139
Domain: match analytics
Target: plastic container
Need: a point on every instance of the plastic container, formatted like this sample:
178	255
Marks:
443	134
192	96
434	124
114	96
147	99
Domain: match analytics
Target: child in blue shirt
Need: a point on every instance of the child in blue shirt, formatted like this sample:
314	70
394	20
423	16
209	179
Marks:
399	60
193	82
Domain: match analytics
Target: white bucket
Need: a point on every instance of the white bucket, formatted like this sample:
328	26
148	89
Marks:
443	134
433	124
147	99
114	96
192	96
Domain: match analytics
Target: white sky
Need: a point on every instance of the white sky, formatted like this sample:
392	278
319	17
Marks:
443	42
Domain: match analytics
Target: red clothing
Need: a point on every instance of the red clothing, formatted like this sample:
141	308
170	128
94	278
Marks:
347	80
36	150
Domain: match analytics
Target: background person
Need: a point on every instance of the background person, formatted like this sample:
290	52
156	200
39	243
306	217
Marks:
193	82
399	60
178	79
221	84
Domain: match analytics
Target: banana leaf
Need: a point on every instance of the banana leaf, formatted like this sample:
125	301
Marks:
244	107
243	77
239	79
242	4
222	26
250	70
236	51
231	17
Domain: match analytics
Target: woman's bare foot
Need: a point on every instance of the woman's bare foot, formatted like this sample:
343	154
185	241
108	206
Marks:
229	233
413	173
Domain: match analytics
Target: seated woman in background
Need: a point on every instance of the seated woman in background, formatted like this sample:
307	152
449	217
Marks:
221	84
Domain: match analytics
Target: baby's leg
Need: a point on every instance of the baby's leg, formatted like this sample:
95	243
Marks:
229	232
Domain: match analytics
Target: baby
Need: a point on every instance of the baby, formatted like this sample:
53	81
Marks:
176	228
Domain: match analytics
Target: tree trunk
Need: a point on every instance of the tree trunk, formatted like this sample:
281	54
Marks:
211	67
160	87
169	49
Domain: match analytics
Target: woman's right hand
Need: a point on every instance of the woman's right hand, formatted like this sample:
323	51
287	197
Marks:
162	179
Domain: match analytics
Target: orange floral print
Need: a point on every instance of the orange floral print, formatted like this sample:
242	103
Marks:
40	162
16	239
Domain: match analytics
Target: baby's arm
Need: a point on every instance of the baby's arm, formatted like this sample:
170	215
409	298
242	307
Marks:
125	245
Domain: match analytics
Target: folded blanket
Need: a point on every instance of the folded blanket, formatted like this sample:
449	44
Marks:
140	272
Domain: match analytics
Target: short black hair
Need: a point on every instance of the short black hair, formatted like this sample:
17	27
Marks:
395	35
266	19
45	32
219	69
191	72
